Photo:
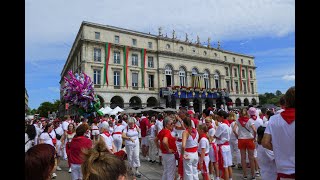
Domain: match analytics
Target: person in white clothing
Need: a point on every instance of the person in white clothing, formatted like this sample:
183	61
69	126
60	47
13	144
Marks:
29	137
106	136
117	134
58	133
279	136
203	151
131	136
94	130
257	123
266	159
213	153
65	125
151	134
234	140
159	127
189	150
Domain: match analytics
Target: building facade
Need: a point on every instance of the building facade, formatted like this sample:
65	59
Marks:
135	69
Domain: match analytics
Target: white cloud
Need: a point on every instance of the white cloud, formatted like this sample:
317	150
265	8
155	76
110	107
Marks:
279	52
289	77
59	21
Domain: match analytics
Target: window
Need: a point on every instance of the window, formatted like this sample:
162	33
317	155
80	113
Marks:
206	80
135	79
241	61
181	48
237	87
193	50
243	73
151	81
134	42
168	74
168	46
228	86
250	72
225	58
234	59
249	62
134	59
235	72
227	71
150	45
244	87
116	78
97	54
252	88
150	62
116	57
96	76
215	54
205	53
216	80
116	39
182	76
97	35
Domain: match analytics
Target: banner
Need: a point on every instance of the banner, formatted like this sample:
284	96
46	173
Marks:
106	64
143	66
125	65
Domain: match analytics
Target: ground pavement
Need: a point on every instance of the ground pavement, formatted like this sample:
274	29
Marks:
149	171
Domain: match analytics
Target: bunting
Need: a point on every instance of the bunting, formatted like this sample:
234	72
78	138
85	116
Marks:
143	66
125	65
106	64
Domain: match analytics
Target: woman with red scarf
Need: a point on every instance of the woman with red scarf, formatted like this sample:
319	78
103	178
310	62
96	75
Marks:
203	151
66	139
246	137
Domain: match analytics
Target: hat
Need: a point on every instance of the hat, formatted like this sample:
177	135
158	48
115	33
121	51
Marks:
252	111
190	112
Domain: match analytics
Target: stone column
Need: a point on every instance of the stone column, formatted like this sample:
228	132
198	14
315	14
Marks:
223	81
203	103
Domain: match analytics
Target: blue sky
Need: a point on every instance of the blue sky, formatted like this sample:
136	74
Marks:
264	29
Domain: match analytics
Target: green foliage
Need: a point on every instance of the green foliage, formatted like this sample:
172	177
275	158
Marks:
34	111
45	107
270	98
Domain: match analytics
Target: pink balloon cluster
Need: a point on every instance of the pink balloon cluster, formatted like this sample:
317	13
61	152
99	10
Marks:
78	90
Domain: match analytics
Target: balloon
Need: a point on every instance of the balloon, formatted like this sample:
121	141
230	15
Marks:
100	113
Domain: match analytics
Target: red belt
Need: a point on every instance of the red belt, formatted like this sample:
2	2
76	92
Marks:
116	133
193	149
179	140
281	175
220	158
94	129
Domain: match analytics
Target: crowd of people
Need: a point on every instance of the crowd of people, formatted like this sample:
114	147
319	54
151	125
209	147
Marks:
188	144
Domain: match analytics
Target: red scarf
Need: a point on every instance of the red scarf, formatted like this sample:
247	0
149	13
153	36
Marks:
202	136
210	127
226	122
261	116
106	133
133	127
243	121
254	117
69	132
193	133
289	115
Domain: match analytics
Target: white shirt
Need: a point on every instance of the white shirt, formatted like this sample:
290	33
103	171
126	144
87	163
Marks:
59	131
46	138
107	140
266	162
159	125
192	142
232	135
283	142
133	134
243	133
65	125
204	143
152	131
28	143
223	133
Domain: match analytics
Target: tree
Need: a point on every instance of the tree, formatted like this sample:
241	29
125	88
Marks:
56	105
44	108
278	93
34	111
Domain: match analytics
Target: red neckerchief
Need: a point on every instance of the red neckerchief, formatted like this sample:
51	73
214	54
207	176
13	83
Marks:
160	120
261	116
118	124
69	132
133	127
210	127
106	133
193	133
289	115
201	136
243	121
226	122
254	117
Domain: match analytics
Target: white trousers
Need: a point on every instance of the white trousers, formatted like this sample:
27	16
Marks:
190	170
152	148
64	153
179	146
235	151
117	140
169	166
76	171
133	155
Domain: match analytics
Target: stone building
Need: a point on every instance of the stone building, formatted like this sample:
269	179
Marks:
135	69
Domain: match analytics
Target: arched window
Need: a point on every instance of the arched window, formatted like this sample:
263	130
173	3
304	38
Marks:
216	77
168	74
206	79
168	46
182	76
195	71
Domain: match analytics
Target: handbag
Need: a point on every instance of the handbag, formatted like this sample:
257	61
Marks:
176	155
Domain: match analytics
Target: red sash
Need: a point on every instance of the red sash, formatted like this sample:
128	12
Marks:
179	140
116	133
215	153
220	160
281	175
193	149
